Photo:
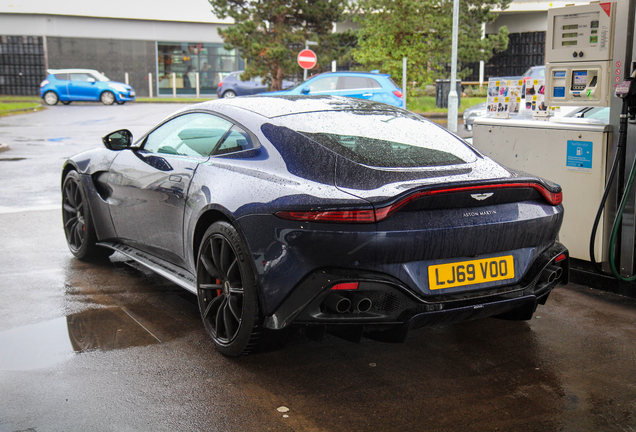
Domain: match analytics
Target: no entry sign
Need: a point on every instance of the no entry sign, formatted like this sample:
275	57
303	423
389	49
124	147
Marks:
307	59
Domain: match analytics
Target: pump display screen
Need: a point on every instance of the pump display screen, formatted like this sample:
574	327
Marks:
586	31
579	78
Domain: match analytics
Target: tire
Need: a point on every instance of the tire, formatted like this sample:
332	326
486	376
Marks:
120	102
226	289
78	222
107	98
51	98
229	94
66	102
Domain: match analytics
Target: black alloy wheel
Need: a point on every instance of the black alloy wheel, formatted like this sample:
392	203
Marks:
78	223
226	290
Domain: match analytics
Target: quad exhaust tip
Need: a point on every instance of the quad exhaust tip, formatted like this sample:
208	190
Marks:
338	303
341	304
551	273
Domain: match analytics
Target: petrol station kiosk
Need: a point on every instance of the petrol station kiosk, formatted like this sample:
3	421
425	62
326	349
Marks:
590	62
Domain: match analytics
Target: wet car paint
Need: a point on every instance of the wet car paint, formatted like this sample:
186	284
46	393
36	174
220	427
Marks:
274	176
570	368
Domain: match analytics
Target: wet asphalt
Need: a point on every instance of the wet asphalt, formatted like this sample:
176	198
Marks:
110	347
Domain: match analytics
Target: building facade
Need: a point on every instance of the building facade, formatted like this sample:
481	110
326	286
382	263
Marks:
161	44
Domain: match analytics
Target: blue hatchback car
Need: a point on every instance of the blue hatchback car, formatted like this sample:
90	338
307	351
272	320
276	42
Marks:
373	86
68	85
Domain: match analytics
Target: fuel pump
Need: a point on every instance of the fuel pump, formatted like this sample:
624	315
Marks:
588	55
627	92
579	49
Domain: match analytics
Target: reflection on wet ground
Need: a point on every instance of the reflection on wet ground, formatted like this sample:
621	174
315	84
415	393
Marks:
48	343
109	306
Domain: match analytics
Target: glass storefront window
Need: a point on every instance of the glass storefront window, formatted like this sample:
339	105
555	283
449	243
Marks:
211	61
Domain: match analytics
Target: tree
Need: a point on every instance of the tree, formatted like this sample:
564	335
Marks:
422	30
270	33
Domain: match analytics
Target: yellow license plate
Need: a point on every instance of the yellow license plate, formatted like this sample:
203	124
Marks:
470	272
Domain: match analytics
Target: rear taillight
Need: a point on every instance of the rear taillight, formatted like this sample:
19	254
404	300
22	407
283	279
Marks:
560	258
221	83
398	93
346	286
338	216
43	83
381	213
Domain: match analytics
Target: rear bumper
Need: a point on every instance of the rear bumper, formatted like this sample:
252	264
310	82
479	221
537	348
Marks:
396	309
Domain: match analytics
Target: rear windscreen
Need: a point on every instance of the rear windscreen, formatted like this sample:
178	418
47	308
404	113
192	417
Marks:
383	139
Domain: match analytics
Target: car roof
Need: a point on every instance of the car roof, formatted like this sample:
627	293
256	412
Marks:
370	74
280	105
56	71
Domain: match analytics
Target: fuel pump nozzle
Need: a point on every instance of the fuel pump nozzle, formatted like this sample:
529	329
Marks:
627	91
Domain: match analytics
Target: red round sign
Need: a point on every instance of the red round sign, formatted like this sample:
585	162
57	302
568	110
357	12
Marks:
307	59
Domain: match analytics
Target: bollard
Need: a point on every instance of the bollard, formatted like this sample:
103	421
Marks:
150	83
174	84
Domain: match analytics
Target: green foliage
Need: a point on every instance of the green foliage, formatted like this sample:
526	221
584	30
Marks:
421	30
270	33
426	104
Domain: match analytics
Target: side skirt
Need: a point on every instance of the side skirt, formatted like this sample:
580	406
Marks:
173	273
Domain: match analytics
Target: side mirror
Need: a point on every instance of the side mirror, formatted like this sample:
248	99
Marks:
118	140
305	90
91	80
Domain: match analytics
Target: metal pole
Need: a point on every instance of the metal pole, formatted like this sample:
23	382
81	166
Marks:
404	82
452	95
197	80
126	78
481	62
150	83
174	84
305	70
333	66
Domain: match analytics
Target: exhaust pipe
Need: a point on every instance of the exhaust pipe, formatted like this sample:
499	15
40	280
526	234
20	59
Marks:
550	274
338	303
361	304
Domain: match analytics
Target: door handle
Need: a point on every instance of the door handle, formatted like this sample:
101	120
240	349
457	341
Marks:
175	178
367	94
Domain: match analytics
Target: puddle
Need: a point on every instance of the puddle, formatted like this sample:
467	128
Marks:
49	343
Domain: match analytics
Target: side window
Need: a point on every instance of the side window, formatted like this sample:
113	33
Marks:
193	134
374	84
354	83
324	84
236	140
62	77
80	77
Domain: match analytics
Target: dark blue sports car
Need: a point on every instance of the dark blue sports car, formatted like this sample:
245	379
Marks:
319	214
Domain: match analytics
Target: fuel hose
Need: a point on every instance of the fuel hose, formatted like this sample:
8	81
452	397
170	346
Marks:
622	141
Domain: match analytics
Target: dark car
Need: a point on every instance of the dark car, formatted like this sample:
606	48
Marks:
232	86
321	214
83	85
